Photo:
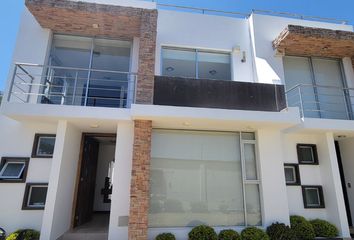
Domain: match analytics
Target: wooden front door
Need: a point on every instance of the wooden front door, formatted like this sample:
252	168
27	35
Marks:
87	180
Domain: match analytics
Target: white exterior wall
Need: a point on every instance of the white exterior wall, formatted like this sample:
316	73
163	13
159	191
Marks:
208	32
347	153
326	174
61	189
118	225
273	188
16	140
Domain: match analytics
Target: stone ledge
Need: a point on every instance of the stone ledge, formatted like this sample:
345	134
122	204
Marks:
319	42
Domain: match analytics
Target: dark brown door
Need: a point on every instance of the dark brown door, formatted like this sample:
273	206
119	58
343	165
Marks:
86	188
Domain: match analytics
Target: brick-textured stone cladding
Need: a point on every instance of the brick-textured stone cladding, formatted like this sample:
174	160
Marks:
115	22
308	41
147	47
139	192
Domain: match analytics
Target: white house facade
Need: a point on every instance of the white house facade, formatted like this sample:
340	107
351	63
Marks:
123	119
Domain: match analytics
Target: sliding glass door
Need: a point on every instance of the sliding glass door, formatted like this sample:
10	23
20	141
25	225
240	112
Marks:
89	72
316	85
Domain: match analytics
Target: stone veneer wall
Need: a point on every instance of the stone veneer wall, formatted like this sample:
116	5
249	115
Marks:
139	192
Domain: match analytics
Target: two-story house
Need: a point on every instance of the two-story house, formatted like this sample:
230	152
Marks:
123	119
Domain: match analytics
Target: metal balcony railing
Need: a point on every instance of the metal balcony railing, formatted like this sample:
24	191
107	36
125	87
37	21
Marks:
316	101
33	83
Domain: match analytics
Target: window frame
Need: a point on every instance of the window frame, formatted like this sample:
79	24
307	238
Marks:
22	177
314	154
27	197
247	182
296	174
36	145
196	60
319	193
244	181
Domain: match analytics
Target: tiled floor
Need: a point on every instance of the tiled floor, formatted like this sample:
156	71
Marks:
98	224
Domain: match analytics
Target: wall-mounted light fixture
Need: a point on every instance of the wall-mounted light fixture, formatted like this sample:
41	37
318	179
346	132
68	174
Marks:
169	69
243	57
236	49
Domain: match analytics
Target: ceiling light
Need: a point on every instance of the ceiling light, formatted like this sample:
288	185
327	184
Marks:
186	123
95	125
213	72
169	69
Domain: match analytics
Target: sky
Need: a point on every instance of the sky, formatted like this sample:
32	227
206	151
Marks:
10	13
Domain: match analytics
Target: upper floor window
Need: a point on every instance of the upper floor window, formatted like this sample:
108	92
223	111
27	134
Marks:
195	63
88	71
317	86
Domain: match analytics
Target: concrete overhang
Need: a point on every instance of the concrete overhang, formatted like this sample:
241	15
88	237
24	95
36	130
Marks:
49	113
316	42
319	126
90	19
214	119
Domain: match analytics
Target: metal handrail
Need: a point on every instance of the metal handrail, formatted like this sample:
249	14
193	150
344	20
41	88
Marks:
314	103
203	10
259	11
38	83
72	68
317	86
301	16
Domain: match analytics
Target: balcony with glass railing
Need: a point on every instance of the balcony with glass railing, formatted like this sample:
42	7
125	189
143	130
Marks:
33	83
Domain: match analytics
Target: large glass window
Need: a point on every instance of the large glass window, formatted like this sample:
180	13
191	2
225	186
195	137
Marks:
194	63
88	71
198	178
316	86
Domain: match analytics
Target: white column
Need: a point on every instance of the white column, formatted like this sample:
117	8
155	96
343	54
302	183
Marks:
273	188
332	186
118	224
58	210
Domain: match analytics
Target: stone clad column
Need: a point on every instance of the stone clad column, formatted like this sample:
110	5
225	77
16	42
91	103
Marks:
139	192
147	47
